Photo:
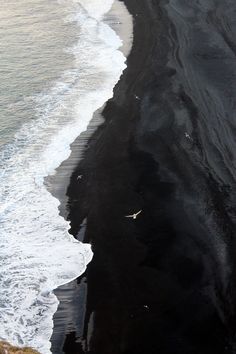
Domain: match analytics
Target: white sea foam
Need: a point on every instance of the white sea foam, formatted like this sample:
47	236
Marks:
37	254
96	8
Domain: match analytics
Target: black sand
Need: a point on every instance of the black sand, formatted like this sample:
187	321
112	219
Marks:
165	282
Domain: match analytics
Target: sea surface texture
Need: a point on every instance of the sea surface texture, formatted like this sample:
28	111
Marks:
59	63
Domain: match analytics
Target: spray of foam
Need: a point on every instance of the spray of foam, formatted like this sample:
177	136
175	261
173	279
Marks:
37	254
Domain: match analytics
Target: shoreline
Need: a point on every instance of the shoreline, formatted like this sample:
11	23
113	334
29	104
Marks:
71	294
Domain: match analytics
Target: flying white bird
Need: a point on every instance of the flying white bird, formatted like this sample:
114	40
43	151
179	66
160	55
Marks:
133	216
79	177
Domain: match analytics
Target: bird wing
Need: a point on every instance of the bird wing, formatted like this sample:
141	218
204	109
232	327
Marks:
138	212
130	216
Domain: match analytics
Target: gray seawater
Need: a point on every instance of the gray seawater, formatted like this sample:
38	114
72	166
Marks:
34	36
59	63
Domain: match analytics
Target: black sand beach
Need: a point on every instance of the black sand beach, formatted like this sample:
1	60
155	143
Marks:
165	282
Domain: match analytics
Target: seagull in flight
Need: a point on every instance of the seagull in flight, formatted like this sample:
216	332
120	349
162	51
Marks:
133	216
79	177
187	136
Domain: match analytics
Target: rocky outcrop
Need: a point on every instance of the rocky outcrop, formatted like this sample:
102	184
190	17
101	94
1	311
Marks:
6	348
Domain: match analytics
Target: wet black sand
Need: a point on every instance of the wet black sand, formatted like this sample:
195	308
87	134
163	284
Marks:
165	282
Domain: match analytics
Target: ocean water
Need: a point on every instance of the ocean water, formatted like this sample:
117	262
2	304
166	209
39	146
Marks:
59	63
